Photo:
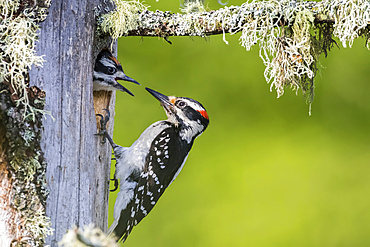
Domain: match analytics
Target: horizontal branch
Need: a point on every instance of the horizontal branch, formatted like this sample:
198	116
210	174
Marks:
203	24
134	19
291	33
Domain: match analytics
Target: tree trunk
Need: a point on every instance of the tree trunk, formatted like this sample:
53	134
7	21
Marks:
78	163
7	213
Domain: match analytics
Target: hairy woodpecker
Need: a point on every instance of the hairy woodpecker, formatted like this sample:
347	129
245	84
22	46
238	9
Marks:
107	71
154	160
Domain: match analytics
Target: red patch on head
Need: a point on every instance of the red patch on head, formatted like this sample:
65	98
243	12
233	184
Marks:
115	60
204	114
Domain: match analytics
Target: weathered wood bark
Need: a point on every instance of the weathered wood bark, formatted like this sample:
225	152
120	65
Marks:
7	213
78	163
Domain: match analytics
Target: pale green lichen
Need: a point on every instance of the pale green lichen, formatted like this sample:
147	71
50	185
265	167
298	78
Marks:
350	17
29	187
196	6
28	167
285	42
39	224
18	35
21	116
88	236
123	19
292	58
189	9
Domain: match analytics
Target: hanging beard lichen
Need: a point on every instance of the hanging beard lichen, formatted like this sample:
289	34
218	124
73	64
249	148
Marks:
21	113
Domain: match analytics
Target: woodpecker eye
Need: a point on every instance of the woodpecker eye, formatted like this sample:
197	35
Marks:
111	70
181	104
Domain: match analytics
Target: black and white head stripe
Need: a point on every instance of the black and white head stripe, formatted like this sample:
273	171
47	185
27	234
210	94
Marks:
111	62
106	63
174	105
191	106
107	71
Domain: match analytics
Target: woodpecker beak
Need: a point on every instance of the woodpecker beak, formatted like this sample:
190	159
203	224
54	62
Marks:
166	102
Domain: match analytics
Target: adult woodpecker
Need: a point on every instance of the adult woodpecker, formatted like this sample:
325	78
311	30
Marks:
154	160
107	71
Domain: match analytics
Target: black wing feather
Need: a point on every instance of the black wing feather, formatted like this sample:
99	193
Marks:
164	159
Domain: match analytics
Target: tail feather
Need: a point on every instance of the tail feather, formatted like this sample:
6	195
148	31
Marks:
112	227
120	228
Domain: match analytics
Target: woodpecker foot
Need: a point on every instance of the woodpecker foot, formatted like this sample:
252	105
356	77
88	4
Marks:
115	184
103	125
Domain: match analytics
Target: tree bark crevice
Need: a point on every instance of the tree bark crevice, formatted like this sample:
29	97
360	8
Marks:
78	163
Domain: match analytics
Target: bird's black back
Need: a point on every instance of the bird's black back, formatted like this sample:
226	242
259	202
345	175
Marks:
166	155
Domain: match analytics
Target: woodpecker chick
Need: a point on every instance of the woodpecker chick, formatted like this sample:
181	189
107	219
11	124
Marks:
154	160
107	71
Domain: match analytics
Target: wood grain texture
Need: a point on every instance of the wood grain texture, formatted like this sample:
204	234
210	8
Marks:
78	163
101	101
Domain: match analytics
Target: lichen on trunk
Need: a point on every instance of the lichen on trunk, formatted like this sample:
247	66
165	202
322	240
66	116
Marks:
21	113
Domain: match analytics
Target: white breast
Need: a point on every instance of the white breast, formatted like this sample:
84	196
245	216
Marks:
134	156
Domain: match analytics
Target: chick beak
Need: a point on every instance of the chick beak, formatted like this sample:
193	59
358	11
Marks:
123	89
125	78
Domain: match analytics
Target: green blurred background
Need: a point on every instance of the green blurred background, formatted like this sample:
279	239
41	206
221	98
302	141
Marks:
264	173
